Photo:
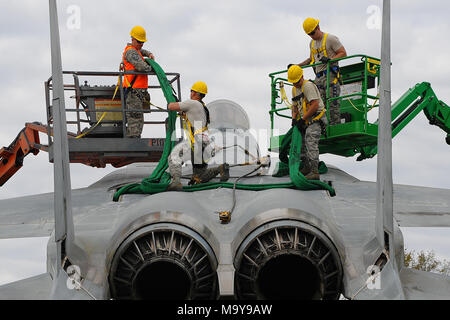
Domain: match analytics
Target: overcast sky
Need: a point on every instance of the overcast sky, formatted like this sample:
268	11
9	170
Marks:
232	46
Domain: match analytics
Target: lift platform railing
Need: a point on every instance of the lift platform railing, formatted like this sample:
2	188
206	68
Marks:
116	112
354	131
100	121
355	134
350	74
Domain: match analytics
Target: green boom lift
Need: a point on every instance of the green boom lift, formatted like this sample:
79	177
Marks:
356	134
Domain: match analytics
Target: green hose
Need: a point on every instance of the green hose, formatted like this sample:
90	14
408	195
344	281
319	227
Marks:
159	179
160	169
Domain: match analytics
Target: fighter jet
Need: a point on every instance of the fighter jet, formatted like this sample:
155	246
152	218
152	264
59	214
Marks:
277	243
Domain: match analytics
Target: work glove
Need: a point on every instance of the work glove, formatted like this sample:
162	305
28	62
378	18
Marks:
289	65
297	98
301	125
324	59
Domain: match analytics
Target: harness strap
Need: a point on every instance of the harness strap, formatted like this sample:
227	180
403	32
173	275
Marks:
322	49
304	107
187	126
324	73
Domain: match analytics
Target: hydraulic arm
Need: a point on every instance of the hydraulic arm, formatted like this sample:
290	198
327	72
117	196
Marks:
417	99
27	141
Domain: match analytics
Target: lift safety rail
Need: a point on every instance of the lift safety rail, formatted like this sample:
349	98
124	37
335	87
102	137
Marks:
356	134
98	120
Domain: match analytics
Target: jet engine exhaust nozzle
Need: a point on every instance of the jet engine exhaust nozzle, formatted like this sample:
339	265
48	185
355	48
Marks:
164	262
288	260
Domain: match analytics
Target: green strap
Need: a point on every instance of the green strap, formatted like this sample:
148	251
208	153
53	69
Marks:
286	146
297	178
159	180
163	164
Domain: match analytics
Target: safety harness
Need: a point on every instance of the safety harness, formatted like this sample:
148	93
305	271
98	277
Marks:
189	129
322	49
128	86
304	106
334	69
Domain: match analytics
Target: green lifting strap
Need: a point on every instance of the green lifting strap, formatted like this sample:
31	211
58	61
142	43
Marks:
159	174
159	180
298	179
282	168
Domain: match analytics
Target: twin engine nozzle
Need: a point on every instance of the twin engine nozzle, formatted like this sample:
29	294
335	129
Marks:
283	259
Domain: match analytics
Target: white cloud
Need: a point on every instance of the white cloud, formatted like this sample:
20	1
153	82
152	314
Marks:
233	46
428	239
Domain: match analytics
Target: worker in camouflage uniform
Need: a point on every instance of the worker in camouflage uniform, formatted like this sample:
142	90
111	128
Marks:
308	114
135	86
196	119
324	47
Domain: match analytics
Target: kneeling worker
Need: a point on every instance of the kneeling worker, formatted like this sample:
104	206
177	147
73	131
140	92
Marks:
308	114
196	119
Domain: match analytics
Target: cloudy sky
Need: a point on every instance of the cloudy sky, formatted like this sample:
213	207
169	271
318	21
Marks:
232	46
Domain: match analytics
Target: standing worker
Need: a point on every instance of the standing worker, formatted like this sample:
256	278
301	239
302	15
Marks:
135	86
195	120
308	114
324	47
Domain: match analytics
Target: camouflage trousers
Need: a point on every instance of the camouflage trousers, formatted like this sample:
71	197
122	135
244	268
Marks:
137	99
183	152
310	142
335	91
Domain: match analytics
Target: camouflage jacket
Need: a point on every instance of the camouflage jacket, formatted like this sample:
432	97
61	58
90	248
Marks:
133	57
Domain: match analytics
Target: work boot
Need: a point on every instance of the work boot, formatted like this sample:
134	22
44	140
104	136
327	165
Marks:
224	172
197	172
175	185
306	167
314	174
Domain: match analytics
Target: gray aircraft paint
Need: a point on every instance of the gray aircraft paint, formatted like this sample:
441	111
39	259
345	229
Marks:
349	220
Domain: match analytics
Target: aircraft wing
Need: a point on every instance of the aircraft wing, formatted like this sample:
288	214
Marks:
30	216
33	216
421	285
421	206
34	288
414	206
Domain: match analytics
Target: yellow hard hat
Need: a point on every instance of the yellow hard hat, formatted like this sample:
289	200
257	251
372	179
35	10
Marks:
295	73
138	33
200	87
310	24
